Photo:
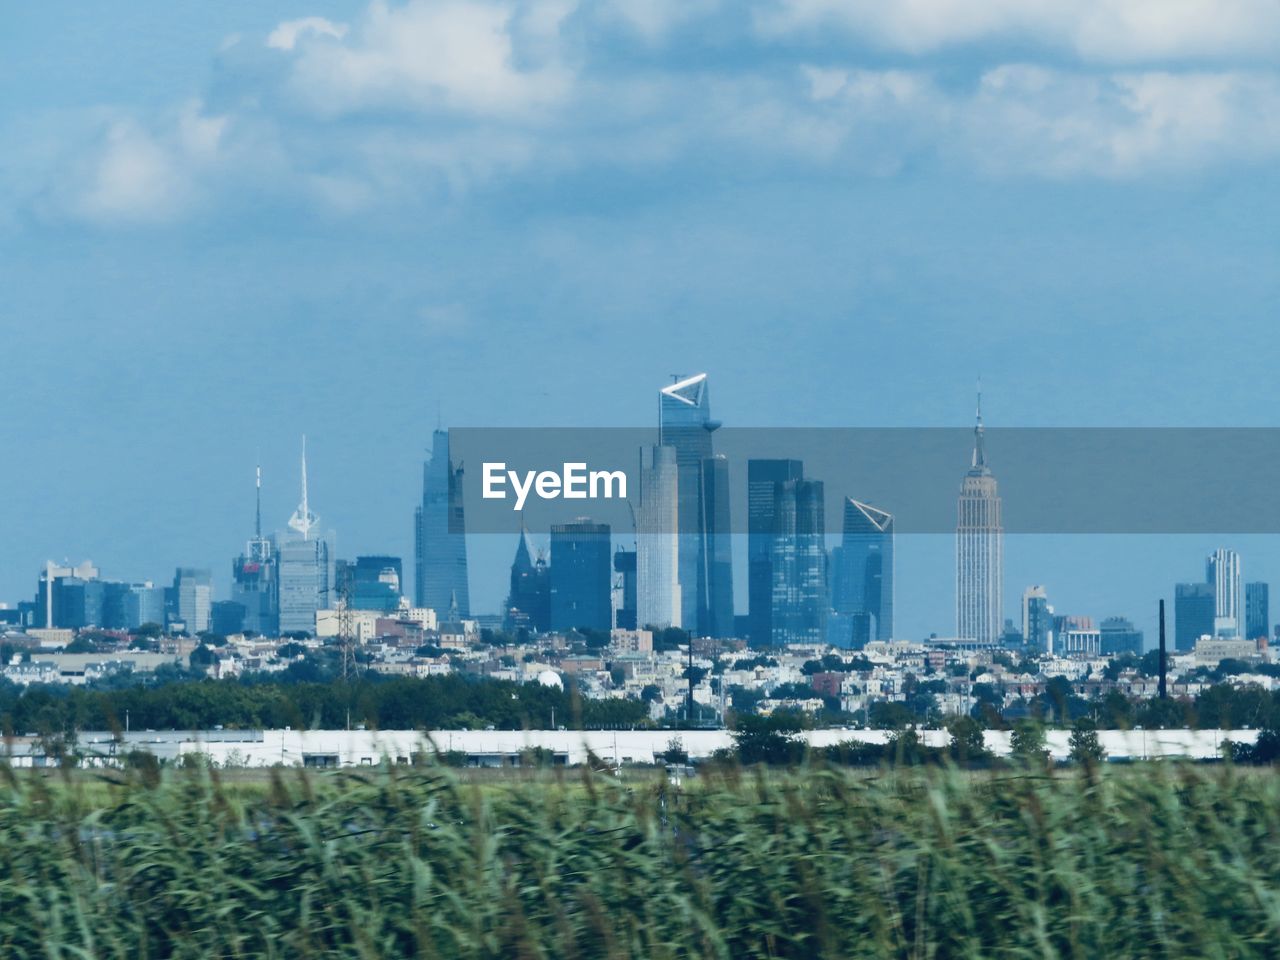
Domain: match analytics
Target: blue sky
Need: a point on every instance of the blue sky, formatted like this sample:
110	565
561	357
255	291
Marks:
224	225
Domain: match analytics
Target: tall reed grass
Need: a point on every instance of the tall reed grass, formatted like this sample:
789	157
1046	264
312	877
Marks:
1156	861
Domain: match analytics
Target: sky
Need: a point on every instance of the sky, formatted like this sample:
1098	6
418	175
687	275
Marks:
223	226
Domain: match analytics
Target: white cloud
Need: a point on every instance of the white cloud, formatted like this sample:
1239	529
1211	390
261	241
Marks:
1096	30
428	55
286	35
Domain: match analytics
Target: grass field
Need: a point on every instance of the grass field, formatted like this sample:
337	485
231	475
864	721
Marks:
1153	860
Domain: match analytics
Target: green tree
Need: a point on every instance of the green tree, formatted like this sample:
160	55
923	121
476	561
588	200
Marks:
1027	744
1084	746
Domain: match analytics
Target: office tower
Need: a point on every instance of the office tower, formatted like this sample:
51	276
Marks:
370	583
193	598
50	608
717	554
304	568
624	568
1194	612
1257	611
799	563
581	554
979	549
658	599
253	577
763	479
529	598
227	617
705	565
1222	570
143	604
1120	636
1037	620
862	577
440	535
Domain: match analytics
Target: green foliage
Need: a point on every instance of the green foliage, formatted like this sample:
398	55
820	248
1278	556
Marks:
1168	861
772	739
1027	744
1084	746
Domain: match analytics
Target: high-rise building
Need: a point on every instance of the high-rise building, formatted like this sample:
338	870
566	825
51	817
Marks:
1257	611
1222	571
1120	636
370	583
581	555
624	609
862	576
253	576
1194	612
304	568
705	564
979	549
799	563
1037	620
193	598
143	604
763	478
440	542
529	599
658	598
226	617
51	608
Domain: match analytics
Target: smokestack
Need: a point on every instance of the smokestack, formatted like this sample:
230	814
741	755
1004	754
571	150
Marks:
1164	692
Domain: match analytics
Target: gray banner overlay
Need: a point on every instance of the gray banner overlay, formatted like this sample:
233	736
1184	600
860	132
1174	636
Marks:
1051	480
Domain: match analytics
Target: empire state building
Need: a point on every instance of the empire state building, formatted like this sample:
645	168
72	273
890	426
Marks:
979	549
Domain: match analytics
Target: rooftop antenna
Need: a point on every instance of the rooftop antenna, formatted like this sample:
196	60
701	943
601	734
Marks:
979	456
303	520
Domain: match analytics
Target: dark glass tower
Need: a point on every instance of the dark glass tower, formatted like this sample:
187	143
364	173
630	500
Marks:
581	582
705	566
799	563
1194	606
763	477
440	545
863	578
1257	613
529	599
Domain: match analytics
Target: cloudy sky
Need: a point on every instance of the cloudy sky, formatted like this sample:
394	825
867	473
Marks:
223	225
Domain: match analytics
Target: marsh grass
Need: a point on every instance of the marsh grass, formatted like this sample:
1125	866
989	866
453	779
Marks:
1150	861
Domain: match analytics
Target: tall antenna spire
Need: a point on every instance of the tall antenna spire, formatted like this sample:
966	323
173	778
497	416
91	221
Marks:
257	523
979	455
303	519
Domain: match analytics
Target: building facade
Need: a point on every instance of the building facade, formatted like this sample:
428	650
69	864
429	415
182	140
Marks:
581	558
440	541
979	550
862	576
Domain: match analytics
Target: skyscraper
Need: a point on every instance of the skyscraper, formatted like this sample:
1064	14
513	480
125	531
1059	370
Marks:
979	549
658	598
581	556
624	568
1222	571
193	598
763	478
529	599
304	567
1037	620
705	564
862	581
370	583
440	542
799	563
1194	606
1119	636
1257	611
253	576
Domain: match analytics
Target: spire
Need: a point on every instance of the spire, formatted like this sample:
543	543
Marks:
979	456
303	519
257	523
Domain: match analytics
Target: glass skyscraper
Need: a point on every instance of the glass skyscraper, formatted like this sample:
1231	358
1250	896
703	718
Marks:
799	563
862	582
193	598
1193	613
1257	611
763	478
581	582
658	598
705	565
1222	570
440	545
